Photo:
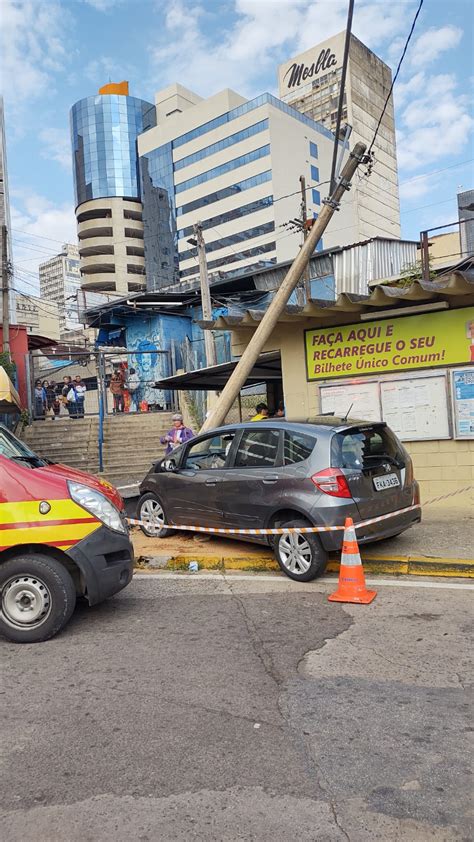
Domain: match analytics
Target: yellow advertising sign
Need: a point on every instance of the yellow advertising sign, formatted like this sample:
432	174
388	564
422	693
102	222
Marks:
398	344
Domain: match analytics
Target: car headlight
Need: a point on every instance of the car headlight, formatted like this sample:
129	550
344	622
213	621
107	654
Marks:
98	505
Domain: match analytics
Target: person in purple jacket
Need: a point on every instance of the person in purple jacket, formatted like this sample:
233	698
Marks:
177	435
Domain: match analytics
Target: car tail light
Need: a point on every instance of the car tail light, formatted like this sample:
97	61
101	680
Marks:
332	481
409	471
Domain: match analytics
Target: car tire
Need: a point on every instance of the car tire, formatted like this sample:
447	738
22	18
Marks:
301	556
37	598
150	506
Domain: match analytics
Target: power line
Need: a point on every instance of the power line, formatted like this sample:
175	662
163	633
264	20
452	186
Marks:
405	48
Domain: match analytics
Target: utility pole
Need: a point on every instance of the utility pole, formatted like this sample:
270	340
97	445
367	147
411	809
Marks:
210	347
264	330
304	219
5	293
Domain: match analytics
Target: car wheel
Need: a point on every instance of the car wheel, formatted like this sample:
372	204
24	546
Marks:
37	598
151	512
300	555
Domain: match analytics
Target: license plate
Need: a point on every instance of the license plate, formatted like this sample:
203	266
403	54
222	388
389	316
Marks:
388	481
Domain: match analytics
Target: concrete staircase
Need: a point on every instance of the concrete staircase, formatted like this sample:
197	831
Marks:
73	443
131	443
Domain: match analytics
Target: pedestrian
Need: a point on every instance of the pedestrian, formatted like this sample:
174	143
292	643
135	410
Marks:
40	400
52	399
262	412
72	400
116	388
81	390
64	390
134	389
280	413
177	435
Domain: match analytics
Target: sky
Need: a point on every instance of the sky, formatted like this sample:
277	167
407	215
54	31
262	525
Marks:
54	52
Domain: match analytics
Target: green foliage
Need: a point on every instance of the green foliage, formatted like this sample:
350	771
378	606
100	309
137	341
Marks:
6	363
412	272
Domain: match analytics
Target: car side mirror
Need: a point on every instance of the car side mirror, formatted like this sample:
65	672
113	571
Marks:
170	465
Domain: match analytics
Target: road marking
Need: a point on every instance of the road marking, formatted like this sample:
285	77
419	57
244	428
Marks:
219	577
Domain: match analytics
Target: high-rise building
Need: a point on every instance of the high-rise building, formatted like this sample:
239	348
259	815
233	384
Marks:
466	222
104	131
60	281
5	212
311	81
234	165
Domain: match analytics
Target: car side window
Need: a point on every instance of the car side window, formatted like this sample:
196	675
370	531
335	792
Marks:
297	447
258	449
209	453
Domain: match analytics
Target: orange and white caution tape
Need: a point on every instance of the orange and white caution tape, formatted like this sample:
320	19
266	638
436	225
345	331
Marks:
283	530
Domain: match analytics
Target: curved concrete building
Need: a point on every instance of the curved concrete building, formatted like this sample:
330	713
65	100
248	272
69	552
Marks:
104	131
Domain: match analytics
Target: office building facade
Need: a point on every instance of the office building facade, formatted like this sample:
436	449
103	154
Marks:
311	81
466	222
104	131
234	165
60	281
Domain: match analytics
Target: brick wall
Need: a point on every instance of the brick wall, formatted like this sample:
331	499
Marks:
442	467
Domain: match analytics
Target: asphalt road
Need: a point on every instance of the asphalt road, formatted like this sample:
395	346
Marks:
242	709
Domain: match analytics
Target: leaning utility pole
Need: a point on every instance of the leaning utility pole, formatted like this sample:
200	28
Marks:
304	219
210	347
253	350
5	292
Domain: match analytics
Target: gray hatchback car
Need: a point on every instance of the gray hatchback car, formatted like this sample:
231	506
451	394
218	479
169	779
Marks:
277	473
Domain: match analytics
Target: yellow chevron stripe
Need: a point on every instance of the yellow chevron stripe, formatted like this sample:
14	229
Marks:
72	532
28	510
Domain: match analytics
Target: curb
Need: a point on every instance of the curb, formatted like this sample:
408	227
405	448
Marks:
265	562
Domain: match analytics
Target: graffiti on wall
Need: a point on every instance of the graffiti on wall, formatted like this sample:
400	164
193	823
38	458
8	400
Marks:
149	365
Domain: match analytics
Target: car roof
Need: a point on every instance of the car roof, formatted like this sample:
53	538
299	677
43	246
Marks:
319	423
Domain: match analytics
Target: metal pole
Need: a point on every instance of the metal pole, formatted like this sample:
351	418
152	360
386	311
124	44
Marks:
425	255
211	358
5	293
345	60
264	330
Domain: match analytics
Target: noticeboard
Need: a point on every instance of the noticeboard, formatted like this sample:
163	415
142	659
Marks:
398	344
416	408
463	402
359	400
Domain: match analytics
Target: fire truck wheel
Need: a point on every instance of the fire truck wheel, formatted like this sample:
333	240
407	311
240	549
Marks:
37	598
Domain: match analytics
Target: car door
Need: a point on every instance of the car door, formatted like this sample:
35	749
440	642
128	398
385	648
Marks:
251	480
193	490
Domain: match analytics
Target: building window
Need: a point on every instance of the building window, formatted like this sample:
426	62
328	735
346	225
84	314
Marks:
242	236
314	173
313	149
233	257
225	192
215	172
235	213
316	197
221	144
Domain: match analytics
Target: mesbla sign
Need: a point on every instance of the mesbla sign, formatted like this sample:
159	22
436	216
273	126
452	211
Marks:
402	344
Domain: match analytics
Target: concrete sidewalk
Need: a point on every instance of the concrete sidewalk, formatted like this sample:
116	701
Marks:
441	545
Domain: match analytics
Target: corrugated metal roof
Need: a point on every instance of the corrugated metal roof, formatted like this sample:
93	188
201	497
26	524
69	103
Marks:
456	287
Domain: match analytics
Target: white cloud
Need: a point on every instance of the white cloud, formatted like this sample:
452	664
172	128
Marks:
435	124
39	228
431	43
33	47
56	146
100	70
102	5
262	35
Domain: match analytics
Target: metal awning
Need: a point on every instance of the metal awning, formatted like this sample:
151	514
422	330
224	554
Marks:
214	378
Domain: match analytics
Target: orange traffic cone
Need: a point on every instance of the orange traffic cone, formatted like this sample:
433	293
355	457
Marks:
351	586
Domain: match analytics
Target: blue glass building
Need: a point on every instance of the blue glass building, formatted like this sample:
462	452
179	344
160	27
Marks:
104	131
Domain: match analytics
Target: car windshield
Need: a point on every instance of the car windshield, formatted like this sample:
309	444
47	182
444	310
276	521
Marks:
14	449
366	447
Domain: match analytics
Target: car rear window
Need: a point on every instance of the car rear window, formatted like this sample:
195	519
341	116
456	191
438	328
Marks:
297	447
366	447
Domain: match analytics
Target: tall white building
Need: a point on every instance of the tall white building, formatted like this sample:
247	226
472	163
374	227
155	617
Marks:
310	82
60	281
234	165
